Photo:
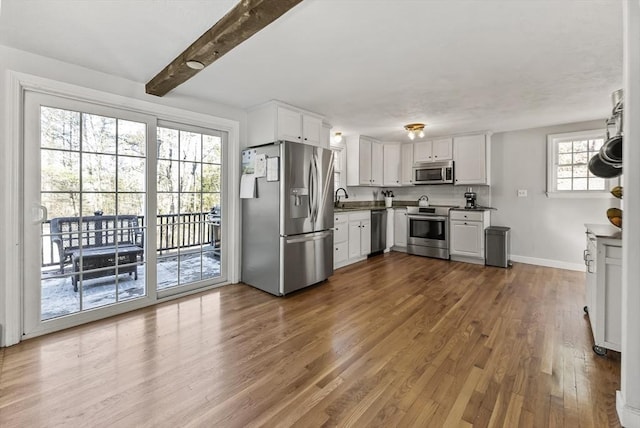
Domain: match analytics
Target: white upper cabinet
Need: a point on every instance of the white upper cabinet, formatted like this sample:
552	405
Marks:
471	154
437	150
442	149
391	165
275	121
406	167
423	151
364	161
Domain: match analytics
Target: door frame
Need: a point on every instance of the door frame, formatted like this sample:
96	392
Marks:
12	314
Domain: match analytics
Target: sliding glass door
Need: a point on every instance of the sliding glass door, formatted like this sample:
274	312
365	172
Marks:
189	206
118	211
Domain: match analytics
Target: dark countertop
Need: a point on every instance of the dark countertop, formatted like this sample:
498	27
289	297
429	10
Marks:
359	208
604	231
478	208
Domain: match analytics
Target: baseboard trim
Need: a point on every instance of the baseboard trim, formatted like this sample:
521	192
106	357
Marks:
629	416
548	263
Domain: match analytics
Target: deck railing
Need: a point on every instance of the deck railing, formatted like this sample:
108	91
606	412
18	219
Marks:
173	231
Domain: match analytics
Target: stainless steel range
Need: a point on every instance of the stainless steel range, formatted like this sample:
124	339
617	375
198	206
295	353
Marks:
428	231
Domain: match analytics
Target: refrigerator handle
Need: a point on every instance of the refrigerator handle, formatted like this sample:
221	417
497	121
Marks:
311	190
308	237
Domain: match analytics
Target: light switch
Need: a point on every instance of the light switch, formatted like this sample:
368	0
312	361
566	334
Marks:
522	193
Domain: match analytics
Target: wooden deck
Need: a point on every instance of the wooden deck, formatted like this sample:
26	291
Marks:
396	340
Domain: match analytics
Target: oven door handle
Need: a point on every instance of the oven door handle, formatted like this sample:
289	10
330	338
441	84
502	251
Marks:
427	217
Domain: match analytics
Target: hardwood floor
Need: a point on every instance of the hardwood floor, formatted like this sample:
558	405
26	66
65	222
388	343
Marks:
396	340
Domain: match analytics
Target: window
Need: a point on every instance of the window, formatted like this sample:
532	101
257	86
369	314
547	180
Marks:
338	167
567	163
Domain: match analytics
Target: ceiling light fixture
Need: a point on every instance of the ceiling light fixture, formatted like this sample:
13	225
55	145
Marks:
195	65
337	137
414	129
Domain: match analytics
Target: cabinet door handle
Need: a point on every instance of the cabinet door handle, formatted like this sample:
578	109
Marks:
584	255
589	267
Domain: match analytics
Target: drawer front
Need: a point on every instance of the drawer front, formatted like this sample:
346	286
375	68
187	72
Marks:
360	215
341	232
340	218
340	252
613	252
466	215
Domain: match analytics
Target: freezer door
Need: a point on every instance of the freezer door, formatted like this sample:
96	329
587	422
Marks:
306	259
307	188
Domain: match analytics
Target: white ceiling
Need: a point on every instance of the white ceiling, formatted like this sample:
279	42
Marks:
370	66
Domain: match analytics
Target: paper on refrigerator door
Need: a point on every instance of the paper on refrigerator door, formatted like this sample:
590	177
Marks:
247	186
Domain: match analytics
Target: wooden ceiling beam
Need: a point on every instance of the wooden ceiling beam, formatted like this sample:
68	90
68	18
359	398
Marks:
243	21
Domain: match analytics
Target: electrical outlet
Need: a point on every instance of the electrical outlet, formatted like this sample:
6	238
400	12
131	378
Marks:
522	193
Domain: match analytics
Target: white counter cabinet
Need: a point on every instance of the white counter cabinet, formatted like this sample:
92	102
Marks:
466	233
351	237
603	283
400	229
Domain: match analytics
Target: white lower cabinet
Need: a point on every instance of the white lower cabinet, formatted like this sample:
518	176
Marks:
466	234
603	260
351	238
340	240
400	229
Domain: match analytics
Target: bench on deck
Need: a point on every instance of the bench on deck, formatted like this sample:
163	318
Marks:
100	245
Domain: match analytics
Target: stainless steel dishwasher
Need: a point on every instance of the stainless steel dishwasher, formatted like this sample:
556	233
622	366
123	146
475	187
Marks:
378	231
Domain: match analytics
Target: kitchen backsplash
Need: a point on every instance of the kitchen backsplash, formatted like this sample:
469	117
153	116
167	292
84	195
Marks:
443	194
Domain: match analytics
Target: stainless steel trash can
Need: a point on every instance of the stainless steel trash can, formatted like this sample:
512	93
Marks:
497	246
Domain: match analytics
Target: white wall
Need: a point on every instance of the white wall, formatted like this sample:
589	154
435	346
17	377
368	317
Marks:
23	62
544	230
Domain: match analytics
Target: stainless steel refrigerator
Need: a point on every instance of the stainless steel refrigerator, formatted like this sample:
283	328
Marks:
287	219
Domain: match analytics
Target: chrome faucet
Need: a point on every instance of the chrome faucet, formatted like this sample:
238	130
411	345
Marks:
337	198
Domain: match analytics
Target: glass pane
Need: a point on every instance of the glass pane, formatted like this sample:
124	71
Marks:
98	134
131	137
210	200
60	170
190	146
565	159
168	203
59	129
190	267
131	288
190	176
210	178
581	158
98	288
580	171
190	203
596	183
167	176
210	264
168	235
564	171
57	298
131	204
167	143
211	149
579	184
580	146
167	272
594	145
564	184
131	174
98	173
98	204
565	147
61	204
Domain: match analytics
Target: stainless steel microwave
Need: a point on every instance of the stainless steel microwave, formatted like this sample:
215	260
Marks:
433	172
